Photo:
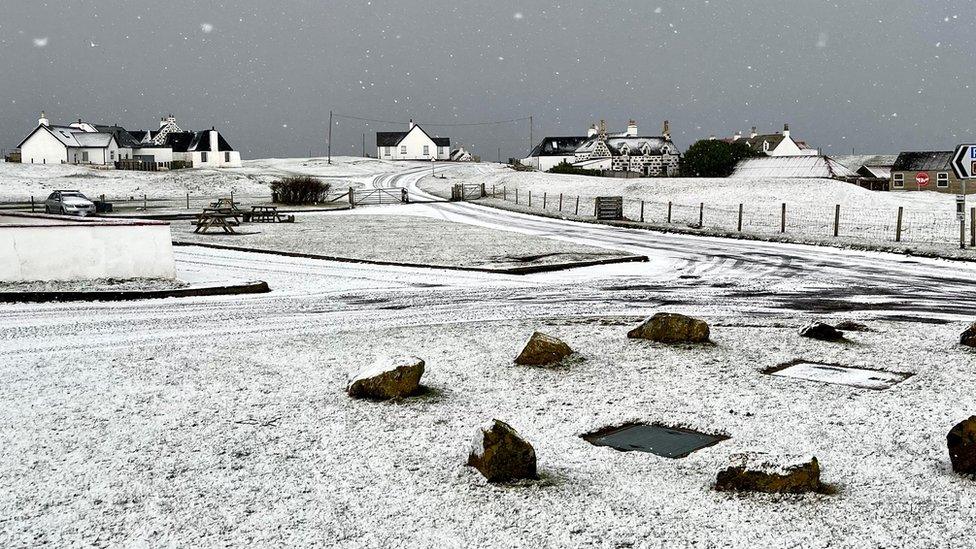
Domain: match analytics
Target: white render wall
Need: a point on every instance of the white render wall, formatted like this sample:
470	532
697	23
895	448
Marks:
35	248
414	142
43	148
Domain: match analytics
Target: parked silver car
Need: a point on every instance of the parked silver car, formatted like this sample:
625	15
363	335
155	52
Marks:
68	203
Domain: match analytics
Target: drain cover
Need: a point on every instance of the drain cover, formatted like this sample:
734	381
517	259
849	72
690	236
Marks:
840	375
663	441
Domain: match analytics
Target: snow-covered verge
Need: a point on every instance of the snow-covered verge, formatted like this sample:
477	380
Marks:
18	182
392	234
247	436
868	219
98	285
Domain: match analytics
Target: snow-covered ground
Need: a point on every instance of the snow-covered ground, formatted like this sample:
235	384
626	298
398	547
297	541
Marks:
224	421
866	217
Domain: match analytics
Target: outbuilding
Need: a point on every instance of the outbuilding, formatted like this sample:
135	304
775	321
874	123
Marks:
926	171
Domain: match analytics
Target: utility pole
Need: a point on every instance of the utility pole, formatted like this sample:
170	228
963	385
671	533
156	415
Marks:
531	140
364	145
499	155
330	137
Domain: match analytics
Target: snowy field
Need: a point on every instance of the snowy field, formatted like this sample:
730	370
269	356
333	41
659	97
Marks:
867	217
399	234
223	420
18	182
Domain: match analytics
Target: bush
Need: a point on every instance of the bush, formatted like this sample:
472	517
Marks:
567	168
714	158
299	190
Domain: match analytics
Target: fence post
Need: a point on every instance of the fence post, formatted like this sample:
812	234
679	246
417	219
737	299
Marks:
642	211
352	198
701	215
483	193
596	212
187	201
516	195
32	203
740	219
560	202
544	200
145	207
530	198
972	227
837	220
232	198
782	223
898	225
669	211
577	204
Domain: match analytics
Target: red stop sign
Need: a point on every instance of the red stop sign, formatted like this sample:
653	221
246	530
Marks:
922	179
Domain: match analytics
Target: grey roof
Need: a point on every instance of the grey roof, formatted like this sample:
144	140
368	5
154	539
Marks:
856	161
122	137
392	139
195	141
876	172
920	161
558	146
790	167
635	145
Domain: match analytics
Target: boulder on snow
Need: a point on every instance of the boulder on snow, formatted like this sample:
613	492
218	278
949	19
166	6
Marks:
672	328
968	337
821	331
764	473
542	349
500	454
961	441
388	378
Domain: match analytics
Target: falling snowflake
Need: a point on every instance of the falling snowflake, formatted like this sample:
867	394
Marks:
518	15
207	28
40	42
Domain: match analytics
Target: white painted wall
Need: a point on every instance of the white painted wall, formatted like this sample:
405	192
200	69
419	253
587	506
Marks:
787	147
43	148
546	163
75	250
414	142
215	158
159	154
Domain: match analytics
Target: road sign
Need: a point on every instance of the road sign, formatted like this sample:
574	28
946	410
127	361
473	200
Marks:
922	179
964	162
961	206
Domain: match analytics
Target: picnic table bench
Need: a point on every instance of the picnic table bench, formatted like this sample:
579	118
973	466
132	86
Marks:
267	214
217	217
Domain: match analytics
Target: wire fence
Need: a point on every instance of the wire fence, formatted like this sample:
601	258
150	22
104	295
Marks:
819	222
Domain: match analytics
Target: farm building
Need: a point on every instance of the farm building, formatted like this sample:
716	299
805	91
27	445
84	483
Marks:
926	171
776	167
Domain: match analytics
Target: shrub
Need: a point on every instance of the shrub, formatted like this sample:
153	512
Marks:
714	158
299	190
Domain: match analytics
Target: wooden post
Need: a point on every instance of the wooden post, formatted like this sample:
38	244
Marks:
898	225
596	212
544	200
642	211
669	211
837	220
530	198
352	198
505	192
516	195
739	226
577	204
187	201
483	193
32	203
560	202
144	205
782	223
701	215
972	227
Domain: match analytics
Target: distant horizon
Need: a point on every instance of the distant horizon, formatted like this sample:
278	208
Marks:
878	77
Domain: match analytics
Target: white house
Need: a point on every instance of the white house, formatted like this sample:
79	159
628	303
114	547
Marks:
85	143
461	155
48	144
552	151
413	144
774	144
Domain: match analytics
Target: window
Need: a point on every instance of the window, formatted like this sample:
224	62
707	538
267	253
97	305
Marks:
84	156
386	151
111	154
403	149
227	157
898	180
203	156
943	179
426	150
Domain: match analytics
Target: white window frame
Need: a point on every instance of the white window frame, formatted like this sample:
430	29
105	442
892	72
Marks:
84	156
386	151
227	157
898	181
426	150
403	149
942	180
203	156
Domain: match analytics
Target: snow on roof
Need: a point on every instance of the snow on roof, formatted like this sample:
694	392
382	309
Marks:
877	172
917	161
392	139
616	144
558	146
96	140
856	161
792	167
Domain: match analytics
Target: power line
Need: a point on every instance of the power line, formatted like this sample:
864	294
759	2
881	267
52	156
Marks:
461	124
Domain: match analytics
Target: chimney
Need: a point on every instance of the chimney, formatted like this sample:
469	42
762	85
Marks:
214	147
667	130
737	136
43	121
711	137
167	120
753	133
591	131
786	130
632	128
603	129
411	123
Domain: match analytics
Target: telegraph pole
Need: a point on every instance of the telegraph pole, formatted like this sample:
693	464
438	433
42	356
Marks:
364	145
531	141
330	137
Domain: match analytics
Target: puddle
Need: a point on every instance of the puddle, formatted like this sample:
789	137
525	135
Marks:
668	442
839	375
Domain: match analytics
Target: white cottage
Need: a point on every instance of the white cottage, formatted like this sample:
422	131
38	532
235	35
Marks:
774	144
48	144
413	144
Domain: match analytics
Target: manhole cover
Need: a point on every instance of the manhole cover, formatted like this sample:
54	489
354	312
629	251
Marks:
840	375
663	441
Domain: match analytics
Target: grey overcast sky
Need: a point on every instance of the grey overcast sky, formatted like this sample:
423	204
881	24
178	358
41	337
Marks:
876	76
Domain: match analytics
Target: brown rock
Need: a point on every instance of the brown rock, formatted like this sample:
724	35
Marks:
501	454
821	331
968	337
542	350
961	441
388	378
672	328
759	473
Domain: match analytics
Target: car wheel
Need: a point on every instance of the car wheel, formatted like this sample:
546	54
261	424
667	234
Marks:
63	212
47	209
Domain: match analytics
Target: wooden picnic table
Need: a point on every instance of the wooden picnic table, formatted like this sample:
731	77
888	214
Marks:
267	214
216	217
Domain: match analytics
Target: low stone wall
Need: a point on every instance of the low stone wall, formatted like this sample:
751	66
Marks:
53	247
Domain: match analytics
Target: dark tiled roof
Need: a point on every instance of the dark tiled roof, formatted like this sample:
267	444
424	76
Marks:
920	161
180	141
756	143
441	141
389	139
123	138
558	146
